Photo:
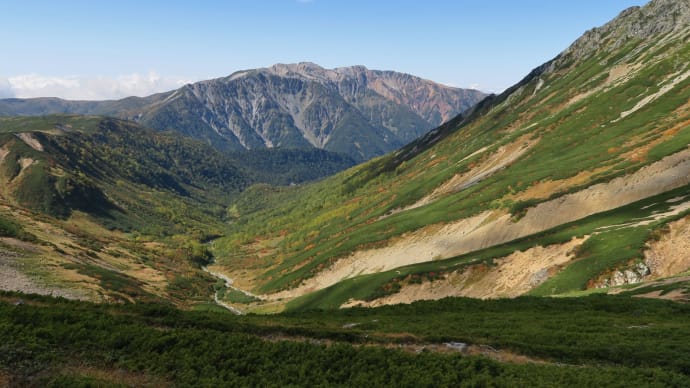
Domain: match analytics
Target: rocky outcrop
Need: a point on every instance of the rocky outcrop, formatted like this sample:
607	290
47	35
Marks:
657	18
635	274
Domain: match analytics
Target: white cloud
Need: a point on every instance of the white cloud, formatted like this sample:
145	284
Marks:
5	88
475	86
88	88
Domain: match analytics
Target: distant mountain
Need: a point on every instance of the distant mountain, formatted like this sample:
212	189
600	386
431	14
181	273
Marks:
352	110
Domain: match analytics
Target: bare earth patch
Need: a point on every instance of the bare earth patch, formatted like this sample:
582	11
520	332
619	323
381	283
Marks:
423	245
618	75
25	162
671	254
13	279
512	276
30	141
619	71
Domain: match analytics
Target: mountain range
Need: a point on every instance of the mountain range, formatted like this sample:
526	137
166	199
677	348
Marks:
538	238
581	166
351	110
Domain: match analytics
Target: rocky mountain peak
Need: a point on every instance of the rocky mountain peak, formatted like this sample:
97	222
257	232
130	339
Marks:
434	103
296	69
657	18
305	70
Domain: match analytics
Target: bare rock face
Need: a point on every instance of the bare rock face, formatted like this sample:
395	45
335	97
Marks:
353	110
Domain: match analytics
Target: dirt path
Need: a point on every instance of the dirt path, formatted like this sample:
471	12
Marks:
500	355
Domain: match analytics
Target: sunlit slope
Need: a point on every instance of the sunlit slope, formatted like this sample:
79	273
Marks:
604	124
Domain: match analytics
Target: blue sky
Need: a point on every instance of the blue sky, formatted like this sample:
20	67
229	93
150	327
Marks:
108	49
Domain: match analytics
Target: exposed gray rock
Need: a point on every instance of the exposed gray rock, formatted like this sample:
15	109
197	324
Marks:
632	275
458	346
352	110
658	17
539	277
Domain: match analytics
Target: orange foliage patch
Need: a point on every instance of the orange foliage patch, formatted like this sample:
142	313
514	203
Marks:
640	154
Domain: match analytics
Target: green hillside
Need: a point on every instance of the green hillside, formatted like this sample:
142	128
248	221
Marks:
126	175
101	208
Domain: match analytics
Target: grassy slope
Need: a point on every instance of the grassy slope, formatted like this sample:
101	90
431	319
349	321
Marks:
605	250
325	221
